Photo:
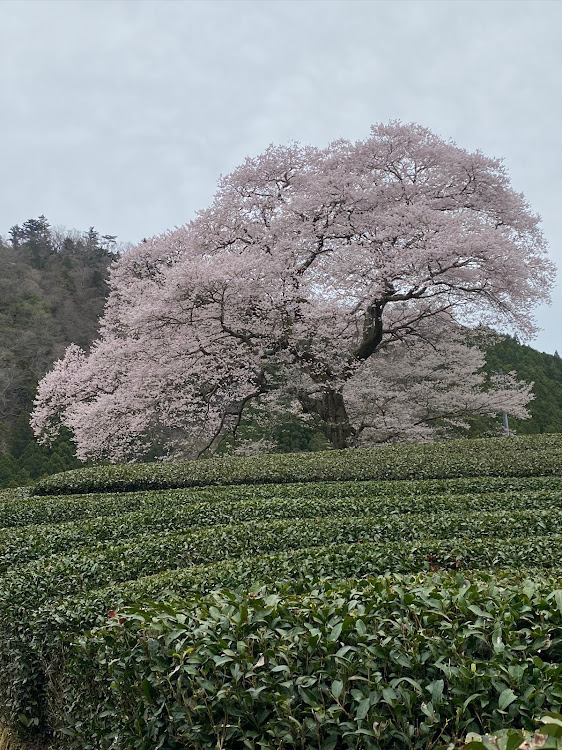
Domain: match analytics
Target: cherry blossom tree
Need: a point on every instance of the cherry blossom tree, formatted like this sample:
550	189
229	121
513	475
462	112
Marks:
340	280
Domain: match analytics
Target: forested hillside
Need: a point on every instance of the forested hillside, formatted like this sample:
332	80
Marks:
52	292
545	371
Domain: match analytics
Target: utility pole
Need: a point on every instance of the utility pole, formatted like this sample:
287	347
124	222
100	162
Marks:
505	424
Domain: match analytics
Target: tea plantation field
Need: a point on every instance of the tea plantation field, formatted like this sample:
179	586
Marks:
389	598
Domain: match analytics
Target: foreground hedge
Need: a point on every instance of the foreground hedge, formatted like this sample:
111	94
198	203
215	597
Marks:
34	640
530	455
98	559
381	664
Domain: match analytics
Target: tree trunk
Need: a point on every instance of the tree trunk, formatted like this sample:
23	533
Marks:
329	406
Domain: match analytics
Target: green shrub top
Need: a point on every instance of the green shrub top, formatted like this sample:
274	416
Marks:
532	455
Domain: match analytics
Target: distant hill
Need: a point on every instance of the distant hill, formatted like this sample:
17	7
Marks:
52	293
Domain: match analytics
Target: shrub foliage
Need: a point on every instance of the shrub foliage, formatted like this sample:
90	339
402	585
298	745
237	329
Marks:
374	599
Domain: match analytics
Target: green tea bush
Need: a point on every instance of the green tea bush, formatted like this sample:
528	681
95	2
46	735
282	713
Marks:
34	643
382	664
392	496
518	456
315	530
126	549
166	516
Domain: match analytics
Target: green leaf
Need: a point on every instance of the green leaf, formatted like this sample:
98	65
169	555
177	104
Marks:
272	600
335	633
551	718
480	612
337	688
389	696
470	699
436	690
553	730
360	627
147	689
507	697
363	708
220	660
514	741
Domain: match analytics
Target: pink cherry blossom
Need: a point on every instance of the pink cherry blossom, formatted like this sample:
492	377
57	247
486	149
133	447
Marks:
339	280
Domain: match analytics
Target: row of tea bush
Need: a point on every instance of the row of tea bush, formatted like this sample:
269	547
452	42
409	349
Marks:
530	455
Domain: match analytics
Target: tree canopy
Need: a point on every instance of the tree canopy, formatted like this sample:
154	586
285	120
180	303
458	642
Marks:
52	292
338	283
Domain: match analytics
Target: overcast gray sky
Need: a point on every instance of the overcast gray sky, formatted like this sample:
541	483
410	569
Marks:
122	115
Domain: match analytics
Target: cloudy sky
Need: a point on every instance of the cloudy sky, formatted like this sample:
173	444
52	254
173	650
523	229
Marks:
122	115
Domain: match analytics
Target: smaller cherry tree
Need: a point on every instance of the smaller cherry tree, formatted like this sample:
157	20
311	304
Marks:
339	280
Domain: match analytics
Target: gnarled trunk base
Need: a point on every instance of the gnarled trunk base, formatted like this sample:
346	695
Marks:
329	406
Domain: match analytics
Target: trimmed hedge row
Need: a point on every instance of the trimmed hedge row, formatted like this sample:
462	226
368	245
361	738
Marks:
36	638
381	664
310	564
87	555
166	516
158	550
533	455
14	494
408	496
